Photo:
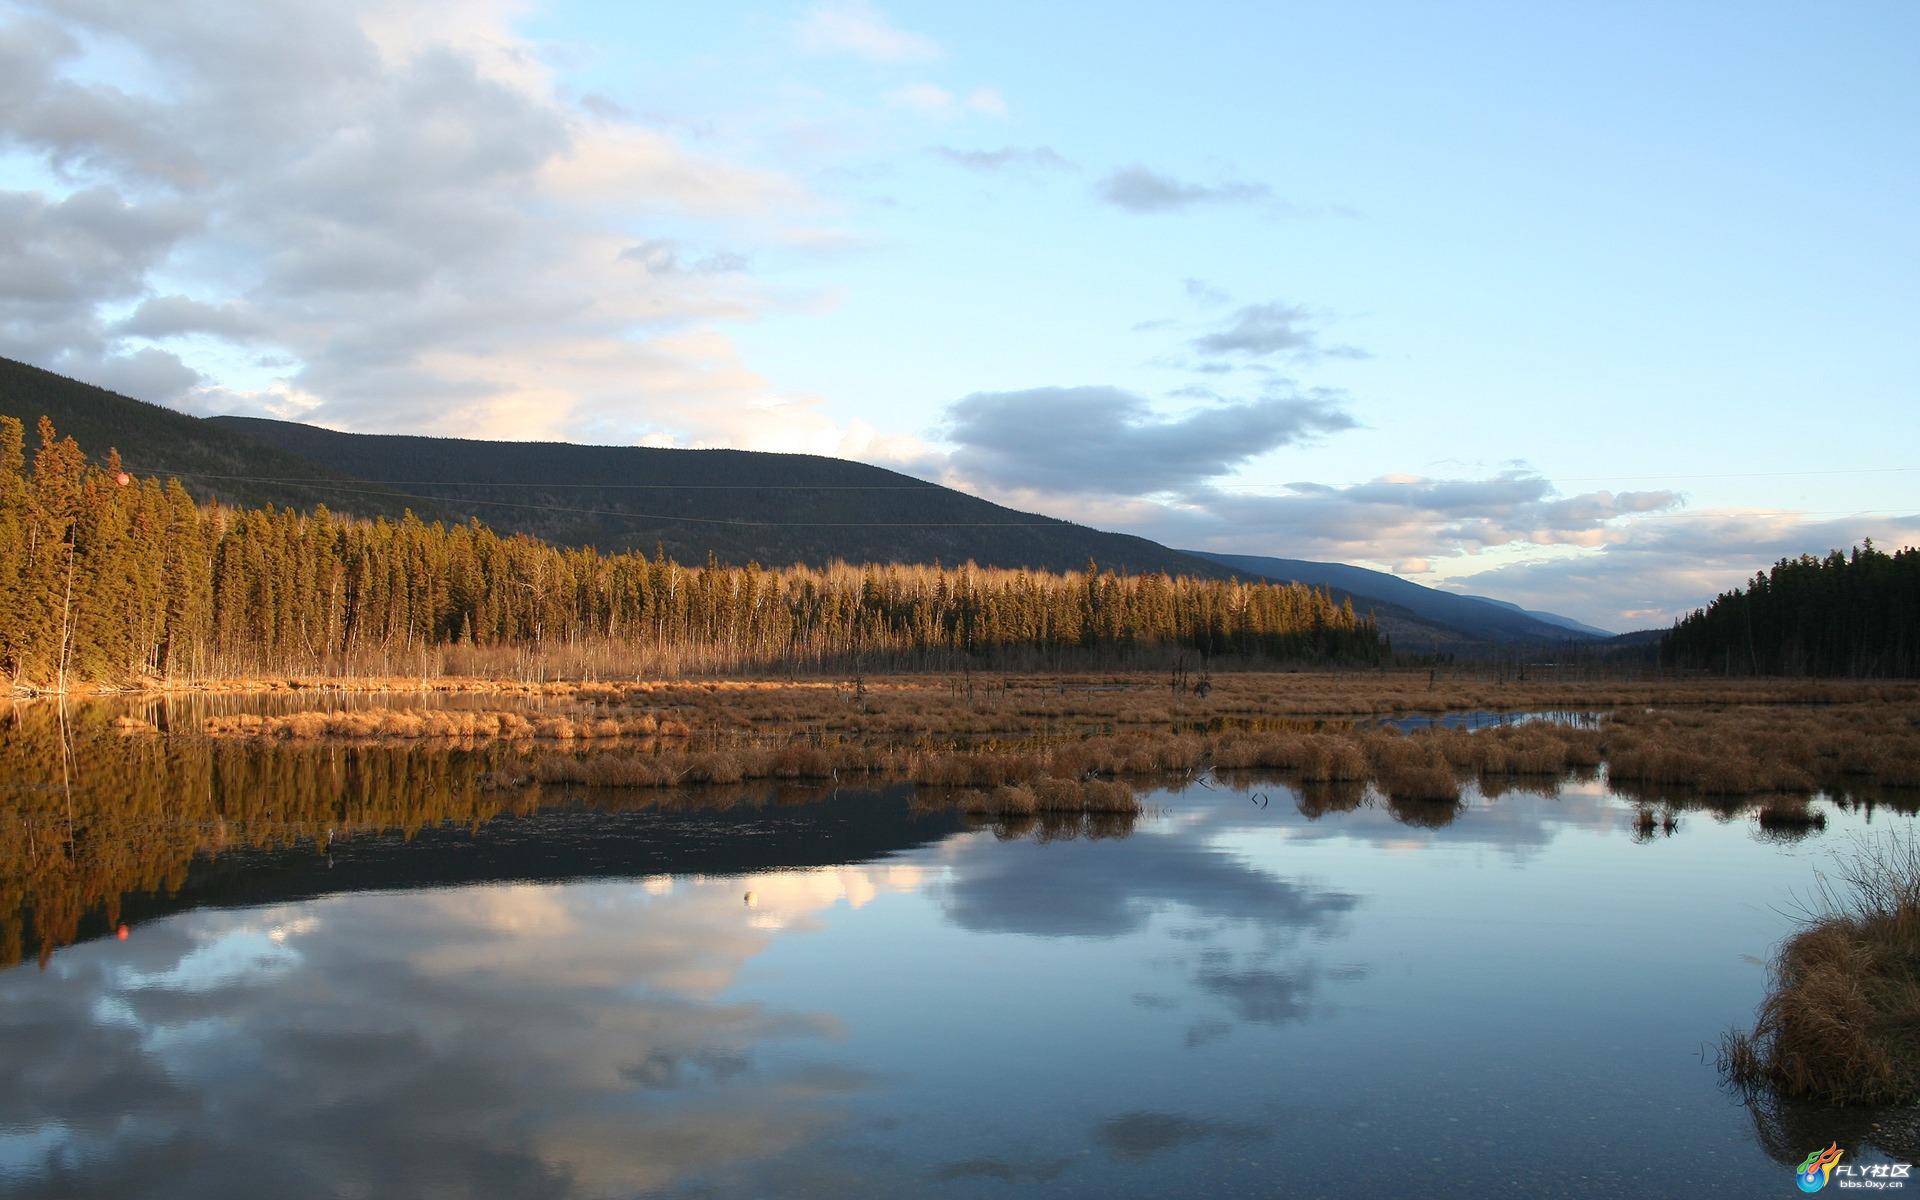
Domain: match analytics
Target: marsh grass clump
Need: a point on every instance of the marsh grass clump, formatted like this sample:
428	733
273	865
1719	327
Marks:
1841	1021
1708	762
436	724
1648	821
1790	818
802	762
1050	795
1424	814
1318	798
1414	769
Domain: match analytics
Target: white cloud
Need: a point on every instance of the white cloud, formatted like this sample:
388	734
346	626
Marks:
1119	444
1267	330
395	200
1662	568
856	28
173	316
630	984
1139	189
1007	158
934	101
988	101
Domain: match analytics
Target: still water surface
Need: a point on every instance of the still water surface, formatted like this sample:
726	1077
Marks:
769	992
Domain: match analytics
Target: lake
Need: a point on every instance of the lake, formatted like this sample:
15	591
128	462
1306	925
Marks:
359	972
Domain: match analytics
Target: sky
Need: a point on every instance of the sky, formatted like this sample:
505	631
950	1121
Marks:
1593	308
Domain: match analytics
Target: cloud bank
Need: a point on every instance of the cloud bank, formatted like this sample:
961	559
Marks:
1106	441
397	201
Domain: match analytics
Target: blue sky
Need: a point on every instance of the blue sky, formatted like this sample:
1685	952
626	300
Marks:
1593	307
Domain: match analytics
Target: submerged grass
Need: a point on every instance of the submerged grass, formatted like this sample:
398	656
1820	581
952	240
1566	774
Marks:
1841	1022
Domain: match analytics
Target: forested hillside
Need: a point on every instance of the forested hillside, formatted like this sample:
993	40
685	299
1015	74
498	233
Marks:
213	463
1852	615
105	575
740	506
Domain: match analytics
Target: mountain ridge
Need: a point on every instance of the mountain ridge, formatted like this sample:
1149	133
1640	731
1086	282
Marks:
740	505
736	505
1427	618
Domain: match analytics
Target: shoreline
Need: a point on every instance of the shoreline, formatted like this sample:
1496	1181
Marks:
1351	692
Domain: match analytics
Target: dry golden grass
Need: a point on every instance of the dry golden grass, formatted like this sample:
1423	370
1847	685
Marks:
1051	796
1790	818
1781	741
1841	1023
402	724
1133	698
1755	750
1661	754
1415	771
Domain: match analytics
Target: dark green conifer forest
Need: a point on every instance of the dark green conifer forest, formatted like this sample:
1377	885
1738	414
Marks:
1855	615
105	577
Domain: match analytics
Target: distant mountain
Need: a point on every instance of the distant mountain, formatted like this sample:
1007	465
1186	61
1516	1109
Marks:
739	505
1416	616
1551	618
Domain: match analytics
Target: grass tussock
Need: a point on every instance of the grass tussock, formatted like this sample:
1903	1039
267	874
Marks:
1415	770
1841	1021
1649	822
997	784
1790	818
1051	796
1753	750
404	724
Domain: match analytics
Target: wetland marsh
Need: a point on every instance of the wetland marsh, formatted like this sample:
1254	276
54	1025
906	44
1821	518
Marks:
329	965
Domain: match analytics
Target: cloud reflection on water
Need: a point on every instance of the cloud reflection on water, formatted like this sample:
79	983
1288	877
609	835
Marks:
513	1040
605	1037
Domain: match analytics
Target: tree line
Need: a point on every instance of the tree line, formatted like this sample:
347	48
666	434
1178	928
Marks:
91	820
1855	615
104	576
